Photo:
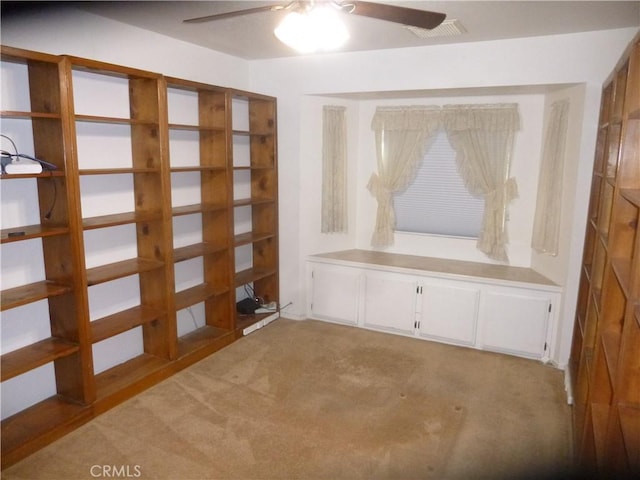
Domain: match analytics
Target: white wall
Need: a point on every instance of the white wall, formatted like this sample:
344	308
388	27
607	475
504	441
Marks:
555	267
564	268
311	176
585	58
66	30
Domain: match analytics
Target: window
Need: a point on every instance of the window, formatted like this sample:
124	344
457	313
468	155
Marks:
437	202
482	136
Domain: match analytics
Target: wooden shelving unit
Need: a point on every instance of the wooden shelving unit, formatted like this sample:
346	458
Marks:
138	232
255	201
199	155
44	117
605	359
129	153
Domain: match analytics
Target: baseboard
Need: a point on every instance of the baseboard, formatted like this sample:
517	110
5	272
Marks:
567	384
293	316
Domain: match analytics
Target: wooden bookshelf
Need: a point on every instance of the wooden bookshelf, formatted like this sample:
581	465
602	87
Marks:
113	213
605	359
68	349
255	198
199	150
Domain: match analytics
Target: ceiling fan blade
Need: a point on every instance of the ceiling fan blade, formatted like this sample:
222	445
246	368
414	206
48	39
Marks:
236	13
393	13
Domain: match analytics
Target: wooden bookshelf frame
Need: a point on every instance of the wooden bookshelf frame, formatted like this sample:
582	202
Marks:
605	358
82	393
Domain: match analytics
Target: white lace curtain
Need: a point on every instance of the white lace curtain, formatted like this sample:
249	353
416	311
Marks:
403	135
334	170
482	136
546	225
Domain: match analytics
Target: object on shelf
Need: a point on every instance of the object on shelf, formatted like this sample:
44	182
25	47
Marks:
270	307
20	163
247	306
22	166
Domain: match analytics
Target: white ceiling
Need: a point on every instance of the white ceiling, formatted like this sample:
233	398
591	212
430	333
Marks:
251	36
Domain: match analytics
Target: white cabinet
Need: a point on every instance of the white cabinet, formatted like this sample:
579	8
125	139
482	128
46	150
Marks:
413	305
449	311
515	321
335	293
505	315
389	302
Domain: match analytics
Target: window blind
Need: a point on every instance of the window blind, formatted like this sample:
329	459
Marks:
437	202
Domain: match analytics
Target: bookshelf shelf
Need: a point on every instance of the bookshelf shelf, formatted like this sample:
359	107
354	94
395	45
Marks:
35	355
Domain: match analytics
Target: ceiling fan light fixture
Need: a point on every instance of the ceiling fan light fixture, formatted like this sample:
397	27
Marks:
318	29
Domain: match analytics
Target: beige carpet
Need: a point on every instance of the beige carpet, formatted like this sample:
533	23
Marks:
312	400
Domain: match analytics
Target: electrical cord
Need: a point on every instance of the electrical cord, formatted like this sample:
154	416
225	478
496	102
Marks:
248	289
15	148
50	167
193	317
55	196
17	154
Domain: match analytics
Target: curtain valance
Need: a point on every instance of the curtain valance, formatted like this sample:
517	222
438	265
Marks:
490	118
406	118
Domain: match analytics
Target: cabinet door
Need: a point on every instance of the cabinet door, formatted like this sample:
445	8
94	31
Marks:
449	312
335	292
515	321
390	302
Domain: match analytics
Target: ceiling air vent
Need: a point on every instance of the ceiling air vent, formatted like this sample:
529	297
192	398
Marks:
448	28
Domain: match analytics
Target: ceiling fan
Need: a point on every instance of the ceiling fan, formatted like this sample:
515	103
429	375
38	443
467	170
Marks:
392	13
